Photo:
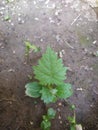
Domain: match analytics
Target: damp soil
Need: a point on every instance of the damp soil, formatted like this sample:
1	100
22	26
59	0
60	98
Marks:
71	29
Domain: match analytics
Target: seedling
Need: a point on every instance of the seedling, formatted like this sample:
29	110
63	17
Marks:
8	1
46	123
7	18
30	77
96	53
50	73
72	120
35	102
30	47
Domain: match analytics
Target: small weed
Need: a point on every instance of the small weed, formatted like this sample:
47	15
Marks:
96	53
35	102
51	74
72	120
46	123
29	47
8	1
7	18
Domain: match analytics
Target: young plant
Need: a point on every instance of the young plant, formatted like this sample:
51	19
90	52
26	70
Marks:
96	53
7	18
46	123
72	120
50	74
29	47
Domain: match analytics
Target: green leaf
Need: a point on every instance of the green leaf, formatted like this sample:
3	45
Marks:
8	1
71	120
96	53
50	69
47	95
72	127
72	107
51	113
64	91
45	125
30	46
7	17
33	89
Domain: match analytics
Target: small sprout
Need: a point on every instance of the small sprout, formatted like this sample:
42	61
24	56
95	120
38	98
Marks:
30	77
96	53
73	107
46	123
30	47
7	17
72	120
8	1
35	102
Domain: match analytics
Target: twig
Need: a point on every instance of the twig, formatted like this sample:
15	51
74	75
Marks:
75	19
4	99
69	45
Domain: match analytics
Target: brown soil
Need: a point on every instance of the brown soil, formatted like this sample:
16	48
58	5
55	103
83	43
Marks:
43	26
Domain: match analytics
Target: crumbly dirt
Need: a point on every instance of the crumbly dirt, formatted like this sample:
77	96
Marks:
71	29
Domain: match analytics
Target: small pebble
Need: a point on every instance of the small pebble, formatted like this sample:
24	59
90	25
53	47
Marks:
10	102
2	47
34	2
14	52
37	19
1	12
63	51
59	104
12	24
51	20
19	14
57	38
2	8
61	122
59	117
79	89
19	19
60	54
47	2
22	21
94	42
41	40
92	105
11	70
31	123
1	44
9	21
79	127
58	109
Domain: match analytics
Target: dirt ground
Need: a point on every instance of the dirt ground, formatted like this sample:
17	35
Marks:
70	27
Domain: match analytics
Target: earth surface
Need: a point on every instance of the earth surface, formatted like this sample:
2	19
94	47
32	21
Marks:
70	28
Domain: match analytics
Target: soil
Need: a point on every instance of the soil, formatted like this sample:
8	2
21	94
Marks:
71	29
